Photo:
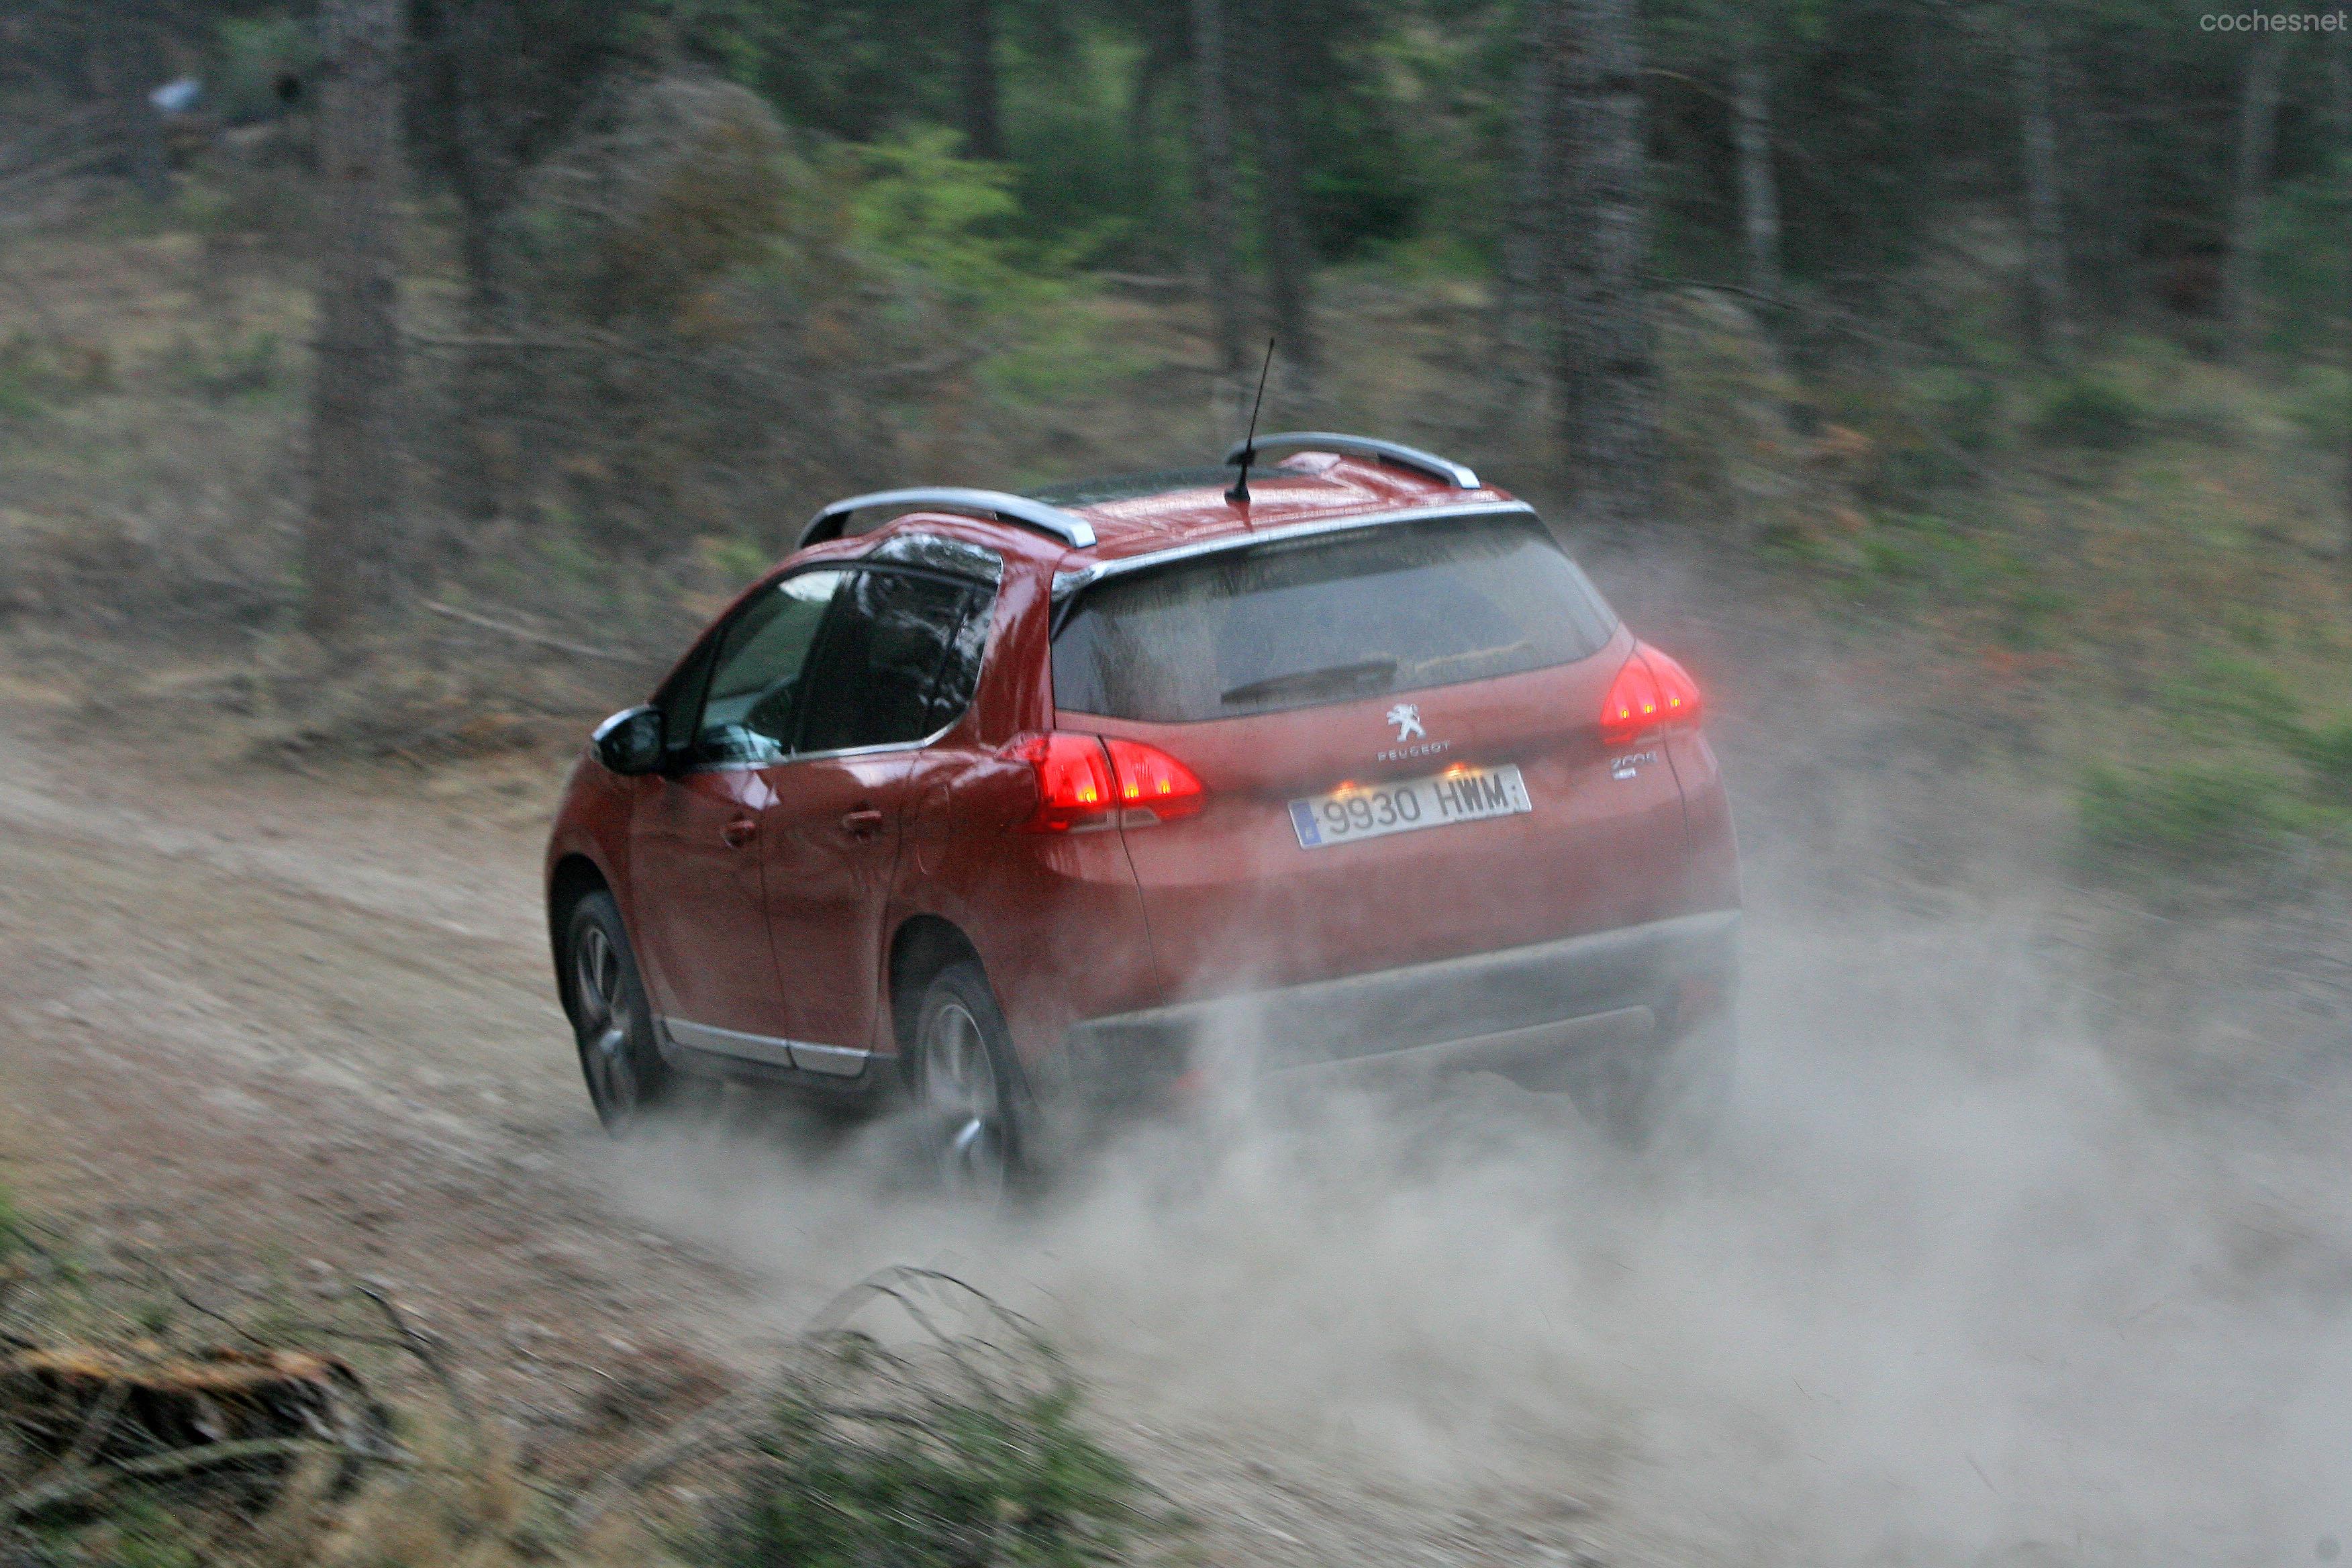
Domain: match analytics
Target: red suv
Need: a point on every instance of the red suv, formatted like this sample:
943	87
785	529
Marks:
1017	805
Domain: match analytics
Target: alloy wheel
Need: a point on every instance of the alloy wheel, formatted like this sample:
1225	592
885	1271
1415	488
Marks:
604	1026
963	1100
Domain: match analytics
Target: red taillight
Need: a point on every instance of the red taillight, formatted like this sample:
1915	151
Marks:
1150	780
1084	781
1652	692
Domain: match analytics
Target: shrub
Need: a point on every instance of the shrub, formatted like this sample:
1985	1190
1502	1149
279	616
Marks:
2327	750
961	1451
2193	815
2086	410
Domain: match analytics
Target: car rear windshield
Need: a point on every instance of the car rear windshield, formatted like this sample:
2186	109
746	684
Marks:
1292	623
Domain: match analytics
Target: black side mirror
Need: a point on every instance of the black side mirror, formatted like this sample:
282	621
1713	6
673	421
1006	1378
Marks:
630	742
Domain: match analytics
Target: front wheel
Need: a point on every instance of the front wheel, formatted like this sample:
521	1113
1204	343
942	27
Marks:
966	1085
610	1017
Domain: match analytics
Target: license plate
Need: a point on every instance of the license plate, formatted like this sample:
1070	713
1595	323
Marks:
1373	811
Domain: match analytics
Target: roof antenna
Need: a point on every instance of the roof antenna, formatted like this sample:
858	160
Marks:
1239	495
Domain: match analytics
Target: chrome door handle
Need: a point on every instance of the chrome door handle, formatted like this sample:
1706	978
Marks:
862	822
738	833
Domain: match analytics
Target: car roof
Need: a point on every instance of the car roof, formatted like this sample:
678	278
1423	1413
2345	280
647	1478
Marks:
1141	514
1125	517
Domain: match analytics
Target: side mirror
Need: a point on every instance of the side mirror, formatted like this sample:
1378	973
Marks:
630	742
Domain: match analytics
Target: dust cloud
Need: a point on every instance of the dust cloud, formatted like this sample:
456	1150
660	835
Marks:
1953	1286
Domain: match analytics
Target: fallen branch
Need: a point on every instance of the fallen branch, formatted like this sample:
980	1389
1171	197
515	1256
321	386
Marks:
421	1346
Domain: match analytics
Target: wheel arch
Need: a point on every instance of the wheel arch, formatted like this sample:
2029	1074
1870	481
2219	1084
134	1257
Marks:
571	879
922	946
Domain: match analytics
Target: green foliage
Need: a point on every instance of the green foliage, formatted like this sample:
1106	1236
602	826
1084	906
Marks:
2196	817
39	373
237	367
11	1227
2319	400
948	218
249	53
2224	698
2089	411
992	1475
2327	751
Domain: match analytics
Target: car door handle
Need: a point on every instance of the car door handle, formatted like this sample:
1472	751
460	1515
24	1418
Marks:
862	822
738	833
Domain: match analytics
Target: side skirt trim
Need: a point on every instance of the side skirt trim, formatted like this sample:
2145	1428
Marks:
768	1050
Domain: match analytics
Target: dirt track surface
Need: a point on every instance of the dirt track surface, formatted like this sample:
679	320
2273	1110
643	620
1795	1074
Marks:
1959	1292
269	1028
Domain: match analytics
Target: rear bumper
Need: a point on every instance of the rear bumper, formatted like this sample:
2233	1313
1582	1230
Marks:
1611	990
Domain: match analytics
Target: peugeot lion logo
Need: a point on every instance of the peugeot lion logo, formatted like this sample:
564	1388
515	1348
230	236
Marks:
1406	717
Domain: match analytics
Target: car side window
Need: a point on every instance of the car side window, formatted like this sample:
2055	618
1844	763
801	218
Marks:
897	662
753	699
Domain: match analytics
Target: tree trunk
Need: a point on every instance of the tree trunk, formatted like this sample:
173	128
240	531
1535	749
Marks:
2339	100
976	45
351	548
1519	290
1213	157
1760	193
1606	371
2257	121
1289	263
2045	221
480	178
121	61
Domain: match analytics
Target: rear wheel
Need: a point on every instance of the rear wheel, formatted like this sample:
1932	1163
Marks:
610	1018
966	1085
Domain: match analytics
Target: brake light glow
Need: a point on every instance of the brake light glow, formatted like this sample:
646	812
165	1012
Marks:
1074	782
1084	783
1151	781
1650	693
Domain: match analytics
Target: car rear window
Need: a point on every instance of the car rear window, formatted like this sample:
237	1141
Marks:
1293	623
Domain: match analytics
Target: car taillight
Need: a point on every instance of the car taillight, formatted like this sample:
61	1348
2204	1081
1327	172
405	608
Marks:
1150	780
1650	693
1085	782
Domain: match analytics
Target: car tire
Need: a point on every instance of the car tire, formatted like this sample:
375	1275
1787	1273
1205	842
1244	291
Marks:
968	1094
611	1018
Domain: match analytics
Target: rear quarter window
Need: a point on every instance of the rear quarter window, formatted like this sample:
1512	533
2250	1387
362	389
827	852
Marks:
1291	623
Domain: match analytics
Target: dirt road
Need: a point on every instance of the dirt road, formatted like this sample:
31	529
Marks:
1956	1290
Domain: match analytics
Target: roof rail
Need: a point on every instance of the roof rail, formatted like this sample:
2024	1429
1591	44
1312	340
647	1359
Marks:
1035	515
1430	463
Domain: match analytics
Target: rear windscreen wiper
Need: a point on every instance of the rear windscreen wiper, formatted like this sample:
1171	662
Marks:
1368	675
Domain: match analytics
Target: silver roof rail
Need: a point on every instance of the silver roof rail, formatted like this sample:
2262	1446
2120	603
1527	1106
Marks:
1430	463
1052	520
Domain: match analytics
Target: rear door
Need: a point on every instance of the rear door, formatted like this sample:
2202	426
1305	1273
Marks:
895	666
1397	729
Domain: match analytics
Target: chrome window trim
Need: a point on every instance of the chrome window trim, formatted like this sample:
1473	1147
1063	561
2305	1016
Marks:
1066	583
1460	476
789	758
1052	520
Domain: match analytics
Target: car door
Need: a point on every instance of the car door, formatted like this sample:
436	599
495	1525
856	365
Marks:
895	666
696	860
